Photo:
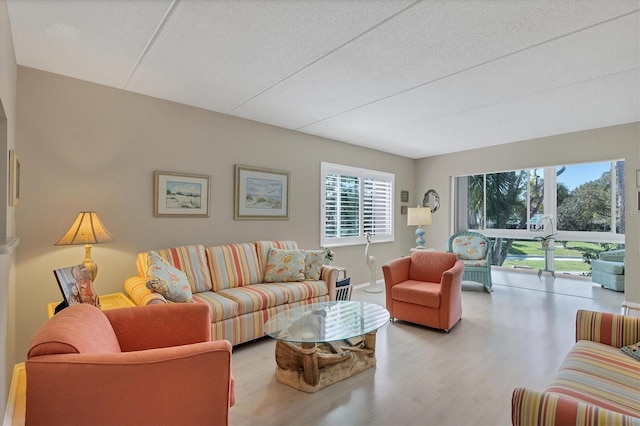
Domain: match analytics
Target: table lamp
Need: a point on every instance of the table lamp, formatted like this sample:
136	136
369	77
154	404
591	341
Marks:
87	229
419	216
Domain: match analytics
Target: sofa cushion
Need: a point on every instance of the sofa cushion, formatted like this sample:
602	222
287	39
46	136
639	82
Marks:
304	290
476	263
632	350
167	280
220	307
80	329
418	293
313	261
284	266
614	268
192	260
263	247
601	375
469	247
234	265
256	297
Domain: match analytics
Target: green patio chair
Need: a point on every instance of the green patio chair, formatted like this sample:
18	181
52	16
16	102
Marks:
474	249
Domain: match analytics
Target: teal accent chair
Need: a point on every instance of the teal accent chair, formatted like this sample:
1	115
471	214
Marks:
608	270
474	249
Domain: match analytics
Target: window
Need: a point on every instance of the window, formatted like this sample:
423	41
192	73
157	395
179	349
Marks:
579	203
355	202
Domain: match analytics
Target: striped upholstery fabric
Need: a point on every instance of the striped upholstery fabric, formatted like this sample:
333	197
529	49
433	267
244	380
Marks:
192	260
220	307
234	265
530	407
601	375
597	383
610	329
303	290
256	297
137	289
263	247
240	329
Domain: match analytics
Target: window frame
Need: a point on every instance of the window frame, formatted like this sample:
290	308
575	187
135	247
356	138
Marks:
550	207
361	174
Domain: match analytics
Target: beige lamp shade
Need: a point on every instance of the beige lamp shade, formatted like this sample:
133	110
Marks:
418	216
87	229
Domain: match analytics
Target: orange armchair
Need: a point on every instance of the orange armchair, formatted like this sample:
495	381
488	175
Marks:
145	365
425	289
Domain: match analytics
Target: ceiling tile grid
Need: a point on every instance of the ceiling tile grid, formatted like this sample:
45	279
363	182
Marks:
414	78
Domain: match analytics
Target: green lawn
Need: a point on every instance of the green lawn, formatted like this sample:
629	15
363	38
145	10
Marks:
572	250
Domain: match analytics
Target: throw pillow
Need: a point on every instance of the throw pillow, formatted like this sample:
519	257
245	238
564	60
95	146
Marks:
167	280
284	266
633	350
313	264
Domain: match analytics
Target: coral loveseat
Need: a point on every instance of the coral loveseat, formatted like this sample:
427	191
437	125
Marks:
239	283
598	384
136	366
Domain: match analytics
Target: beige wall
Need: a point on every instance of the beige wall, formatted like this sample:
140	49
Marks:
593	145
7	214
91	147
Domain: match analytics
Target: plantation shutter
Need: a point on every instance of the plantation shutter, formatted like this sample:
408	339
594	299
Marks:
355	201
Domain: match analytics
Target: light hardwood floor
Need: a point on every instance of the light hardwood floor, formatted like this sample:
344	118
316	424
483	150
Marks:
515	336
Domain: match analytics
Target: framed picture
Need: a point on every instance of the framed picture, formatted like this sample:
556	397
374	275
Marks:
75	285
14	178
261	193
404	196
181	195
403	209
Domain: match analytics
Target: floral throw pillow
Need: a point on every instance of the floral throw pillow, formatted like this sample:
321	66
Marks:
167	280
633	350
284	265
313	264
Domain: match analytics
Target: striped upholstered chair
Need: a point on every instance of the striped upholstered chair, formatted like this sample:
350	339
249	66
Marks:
474	250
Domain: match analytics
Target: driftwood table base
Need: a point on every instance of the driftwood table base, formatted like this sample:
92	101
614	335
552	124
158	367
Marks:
310	367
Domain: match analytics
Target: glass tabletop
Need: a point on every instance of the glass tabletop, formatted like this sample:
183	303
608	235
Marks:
327	321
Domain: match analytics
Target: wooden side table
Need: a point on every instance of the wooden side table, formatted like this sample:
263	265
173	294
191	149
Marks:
107	301
17	401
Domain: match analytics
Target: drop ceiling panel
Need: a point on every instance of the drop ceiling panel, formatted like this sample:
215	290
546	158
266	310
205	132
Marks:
97	41
602	51
218	54
595	103
430	41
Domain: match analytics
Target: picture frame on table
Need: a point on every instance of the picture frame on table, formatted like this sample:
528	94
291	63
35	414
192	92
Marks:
261	193
76	286
181	195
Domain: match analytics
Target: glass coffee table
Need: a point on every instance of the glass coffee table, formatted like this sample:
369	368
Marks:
322	343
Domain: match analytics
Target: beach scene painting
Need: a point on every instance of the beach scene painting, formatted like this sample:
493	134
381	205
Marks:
181	194
261	193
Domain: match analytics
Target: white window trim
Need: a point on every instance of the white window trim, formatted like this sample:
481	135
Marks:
362	174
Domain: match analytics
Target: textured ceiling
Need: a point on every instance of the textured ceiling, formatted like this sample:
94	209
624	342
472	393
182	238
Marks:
413	78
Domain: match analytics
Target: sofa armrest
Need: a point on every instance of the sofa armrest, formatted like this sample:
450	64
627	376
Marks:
612	255
330	274
609	329
157	326
530	407
136	288
189	384
396	271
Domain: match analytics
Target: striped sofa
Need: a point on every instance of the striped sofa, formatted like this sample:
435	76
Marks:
597	384
229	280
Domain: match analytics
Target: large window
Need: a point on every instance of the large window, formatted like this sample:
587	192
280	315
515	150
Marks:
355	202
581	202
